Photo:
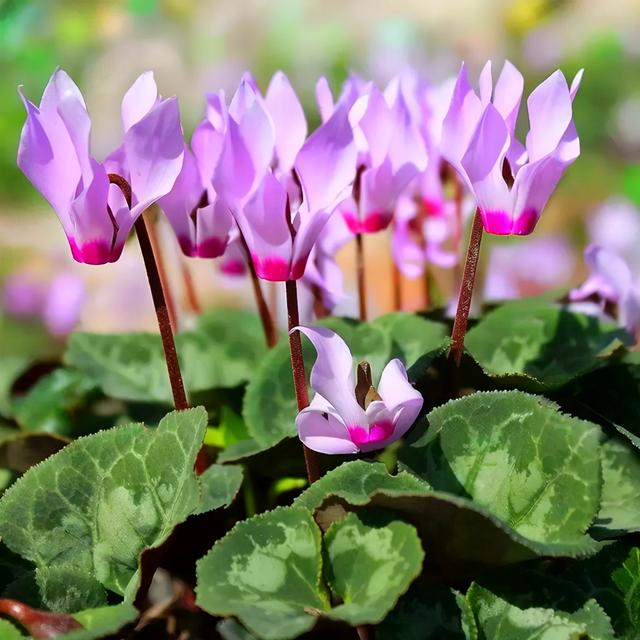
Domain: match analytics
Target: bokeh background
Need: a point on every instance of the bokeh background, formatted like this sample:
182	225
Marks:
195	46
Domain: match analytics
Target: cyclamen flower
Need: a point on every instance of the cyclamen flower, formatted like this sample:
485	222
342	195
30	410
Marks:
201	221
54	154
391	154
280	188
610	290
345	417
510	181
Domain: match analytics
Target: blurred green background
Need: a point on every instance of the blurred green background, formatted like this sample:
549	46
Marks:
195	46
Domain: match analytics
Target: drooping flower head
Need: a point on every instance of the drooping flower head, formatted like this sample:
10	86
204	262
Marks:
54	154
391	152
280	188
348	416
201	221
511	182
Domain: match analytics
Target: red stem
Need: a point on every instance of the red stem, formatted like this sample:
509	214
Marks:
268	326
299	377
162	272
362	287
159	300
466	291
396	283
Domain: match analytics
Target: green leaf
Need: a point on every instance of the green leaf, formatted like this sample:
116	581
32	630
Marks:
423	614
220	352
270	407
50	404
412	336
627	579
267	572
372	560
219	486
540	345
84	515
356	481
102	621
517	456
620	502
9	632
498	619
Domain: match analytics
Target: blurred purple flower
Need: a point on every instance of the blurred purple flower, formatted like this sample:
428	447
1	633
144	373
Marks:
54	154
347	418
610	290
615	225
528	268
58	304
511	182
280	188
201	221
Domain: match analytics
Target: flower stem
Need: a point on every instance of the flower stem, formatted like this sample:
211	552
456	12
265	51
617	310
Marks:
156	246
162	314
466	291
159	300
362	287
396	285
268	326
299	377
190	288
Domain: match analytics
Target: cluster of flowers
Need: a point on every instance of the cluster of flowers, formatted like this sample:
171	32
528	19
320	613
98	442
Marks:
254	187
253	182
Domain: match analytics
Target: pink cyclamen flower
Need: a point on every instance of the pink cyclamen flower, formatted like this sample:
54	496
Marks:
54	154
347	418
610	290
281	188
511	182
201	221
391	154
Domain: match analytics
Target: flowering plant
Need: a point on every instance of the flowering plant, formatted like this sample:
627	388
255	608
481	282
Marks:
440	482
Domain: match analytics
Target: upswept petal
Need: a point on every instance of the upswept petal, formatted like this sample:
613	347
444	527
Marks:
154	149
141	97
264	226
332	374
550	113
47	158
181	201
482	163
371	117
508	94
324	98
288	119
326	163
461	119
485	83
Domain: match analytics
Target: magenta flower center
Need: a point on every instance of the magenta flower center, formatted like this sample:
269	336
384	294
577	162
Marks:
375	433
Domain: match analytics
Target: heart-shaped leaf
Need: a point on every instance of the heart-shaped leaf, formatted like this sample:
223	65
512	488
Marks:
518	457
627	579
541	346
219	486
84	515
